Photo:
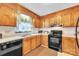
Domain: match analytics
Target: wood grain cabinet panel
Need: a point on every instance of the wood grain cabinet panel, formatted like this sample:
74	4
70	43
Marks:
38	40
75	17
26	45
69	45
77	50
51	21
46	23
44	40
33	42
37	23
30	43
66	19
7	15
58	20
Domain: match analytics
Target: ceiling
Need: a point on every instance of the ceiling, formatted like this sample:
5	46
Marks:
42	9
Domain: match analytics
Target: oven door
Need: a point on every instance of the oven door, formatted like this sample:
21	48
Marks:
16	52
13	48
54	43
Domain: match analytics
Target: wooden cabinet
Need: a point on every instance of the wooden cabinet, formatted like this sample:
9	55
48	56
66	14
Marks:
58	20
26	45
52	21
77	50
75	17
66	19
46	22
69	45
38	40
9	12
44	40
33	42
30	43
7	16
38	23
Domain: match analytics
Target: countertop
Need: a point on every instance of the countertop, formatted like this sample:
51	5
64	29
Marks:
18	36
22	36
67	32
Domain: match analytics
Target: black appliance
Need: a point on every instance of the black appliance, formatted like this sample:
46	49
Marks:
12	48
55	40
76	33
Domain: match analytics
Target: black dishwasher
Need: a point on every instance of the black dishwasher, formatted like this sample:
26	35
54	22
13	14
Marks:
12	48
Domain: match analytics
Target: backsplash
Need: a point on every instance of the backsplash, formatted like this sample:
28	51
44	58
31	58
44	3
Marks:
6	28
66	30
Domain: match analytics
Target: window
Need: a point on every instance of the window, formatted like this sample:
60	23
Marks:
24	23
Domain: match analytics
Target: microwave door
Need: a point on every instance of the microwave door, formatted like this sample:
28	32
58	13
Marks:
76	33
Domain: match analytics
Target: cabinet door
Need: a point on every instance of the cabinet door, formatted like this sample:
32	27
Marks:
68	45
33	42
38	40
75	17
77	49
7	16
51	21
26	45
46	22
58	19
66	20
36	22
45	40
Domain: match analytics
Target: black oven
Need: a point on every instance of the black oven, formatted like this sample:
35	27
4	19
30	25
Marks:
55	40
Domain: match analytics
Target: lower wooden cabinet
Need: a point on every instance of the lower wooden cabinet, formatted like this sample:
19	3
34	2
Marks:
33	42
44	40
38	40
77	50
69	45
26	45
30	43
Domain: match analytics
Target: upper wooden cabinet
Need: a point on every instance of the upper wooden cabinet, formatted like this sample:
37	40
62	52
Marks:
46	22
75	17
66	17
37	22
7	16
9	12
69	45
66	20
51	21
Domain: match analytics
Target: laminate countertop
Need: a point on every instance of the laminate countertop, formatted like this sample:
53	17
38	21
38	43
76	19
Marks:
18	36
